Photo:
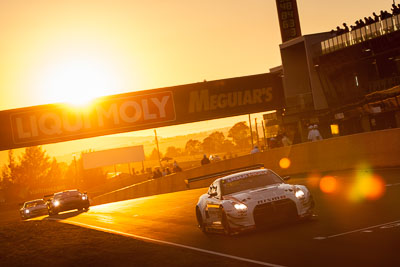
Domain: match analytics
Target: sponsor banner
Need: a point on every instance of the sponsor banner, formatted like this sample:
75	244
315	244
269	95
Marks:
288	19
140	110
113	156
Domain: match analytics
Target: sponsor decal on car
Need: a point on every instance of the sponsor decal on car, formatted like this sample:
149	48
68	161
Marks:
271	199
243	176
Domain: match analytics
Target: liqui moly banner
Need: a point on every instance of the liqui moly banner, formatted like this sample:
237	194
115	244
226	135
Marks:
140	110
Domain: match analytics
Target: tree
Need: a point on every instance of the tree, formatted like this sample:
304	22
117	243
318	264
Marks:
228	146
154	155
8	172
214	142
173	152
193	147
34	168
55	175
240	135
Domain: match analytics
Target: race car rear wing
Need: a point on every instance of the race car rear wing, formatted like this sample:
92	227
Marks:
47	197
223	173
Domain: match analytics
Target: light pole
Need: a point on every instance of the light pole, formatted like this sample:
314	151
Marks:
251	133
158	149
76	170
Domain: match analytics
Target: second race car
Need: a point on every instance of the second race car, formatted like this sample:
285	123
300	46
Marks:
251	199
33	208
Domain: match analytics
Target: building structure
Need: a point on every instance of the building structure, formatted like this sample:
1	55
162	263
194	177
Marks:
347	83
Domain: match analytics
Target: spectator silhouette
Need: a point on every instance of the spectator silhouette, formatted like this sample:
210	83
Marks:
285	140
346	29
254	150
157	174
176	167
310	135
316	134
395	9
205	160
376	17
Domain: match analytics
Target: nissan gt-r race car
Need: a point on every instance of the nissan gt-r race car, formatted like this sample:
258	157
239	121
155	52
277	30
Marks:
33	208
251	199
67	200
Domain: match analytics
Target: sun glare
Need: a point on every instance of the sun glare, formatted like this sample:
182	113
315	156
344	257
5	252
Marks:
78	80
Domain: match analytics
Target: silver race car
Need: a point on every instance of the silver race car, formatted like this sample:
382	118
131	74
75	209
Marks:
33	208
251	199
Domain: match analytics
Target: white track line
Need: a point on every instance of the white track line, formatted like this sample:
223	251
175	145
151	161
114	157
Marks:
354	231
167	243
392	184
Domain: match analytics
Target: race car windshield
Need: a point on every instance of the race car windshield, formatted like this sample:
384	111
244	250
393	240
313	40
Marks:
33	204
237	184
67	194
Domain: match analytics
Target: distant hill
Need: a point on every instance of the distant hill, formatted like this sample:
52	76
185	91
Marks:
109	142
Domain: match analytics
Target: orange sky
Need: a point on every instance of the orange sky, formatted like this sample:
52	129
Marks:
68	50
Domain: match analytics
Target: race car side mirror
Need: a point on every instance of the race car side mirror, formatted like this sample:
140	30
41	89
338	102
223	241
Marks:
286	178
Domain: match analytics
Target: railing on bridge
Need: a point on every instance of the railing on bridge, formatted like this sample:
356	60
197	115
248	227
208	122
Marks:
363	34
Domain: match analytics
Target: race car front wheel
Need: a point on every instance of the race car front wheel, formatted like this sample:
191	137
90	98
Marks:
200	221
225	223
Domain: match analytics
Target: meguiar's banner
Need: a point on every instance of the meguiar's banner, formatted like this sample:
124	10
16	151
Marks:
140	110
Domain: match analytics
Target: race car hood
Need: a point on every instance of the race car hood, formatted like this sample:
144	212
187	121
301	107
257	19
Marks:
38	207
267	193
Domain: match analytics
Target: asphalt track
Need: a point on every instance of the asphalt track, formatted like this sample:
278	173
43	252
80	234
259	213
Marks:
354	227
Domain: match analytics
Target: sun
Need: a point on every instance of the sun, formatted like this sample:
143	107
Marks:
78	79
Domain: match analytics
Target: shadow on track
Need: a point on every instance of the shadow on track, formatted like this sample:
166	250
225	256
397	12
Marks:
65	215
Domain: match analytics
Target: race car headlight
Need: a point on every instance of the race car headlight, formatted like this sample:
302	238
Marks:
299	194
240	207
27	211
56	203
84	197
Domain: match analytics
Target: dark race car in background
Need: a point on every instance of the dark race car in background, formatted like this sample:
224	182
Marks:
67	200
33	208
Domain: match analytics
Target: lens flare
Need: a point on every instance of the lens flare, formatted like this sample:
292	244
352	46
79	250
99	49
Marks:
367	186
284	163
328	184
377	188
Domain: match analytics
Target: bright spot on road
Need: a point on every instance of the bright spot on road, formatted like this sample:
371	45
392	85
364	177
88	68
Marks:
377	188
328	184
367	186
284	163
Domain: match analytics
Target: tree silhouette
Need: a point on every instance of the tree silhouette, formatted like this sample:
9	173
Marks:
8	172
154	155
214	142
34	167
240	135
173	152
193	147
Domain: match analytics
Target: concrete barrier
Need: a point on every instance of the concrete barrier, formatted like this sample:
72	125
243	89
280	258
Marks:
377	149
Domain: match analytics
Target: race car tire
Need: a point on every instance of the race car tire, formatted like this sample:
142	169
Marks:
225	223
51	212
200	221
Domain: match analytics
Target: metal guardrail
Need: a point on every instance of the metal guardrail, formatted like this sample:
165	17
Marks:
223	173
